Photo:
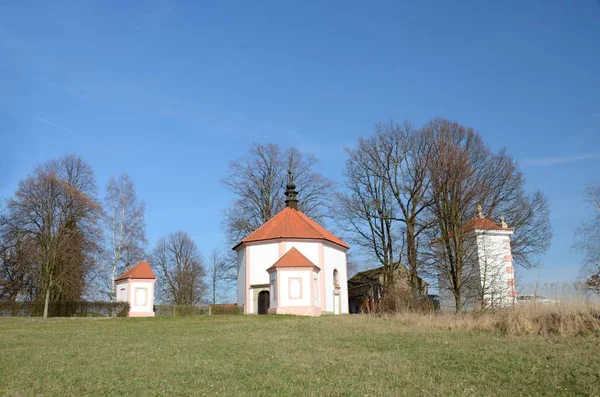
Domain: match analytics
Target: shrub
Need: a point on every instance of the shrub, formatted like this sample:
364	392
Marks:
399	298
179	310
184	310
226	309
65	309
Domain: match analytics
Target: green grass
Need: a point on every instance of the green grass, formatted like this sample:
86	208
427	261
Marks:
280	355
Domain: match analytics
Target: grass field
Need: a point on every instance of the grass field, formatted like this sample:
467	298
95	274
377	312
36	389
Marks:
275	355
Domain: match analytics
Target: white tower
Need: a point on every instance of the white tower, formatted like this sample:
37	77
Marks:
488	271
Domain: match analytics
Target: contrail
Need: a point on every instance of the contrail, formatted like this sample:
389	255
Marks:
56	125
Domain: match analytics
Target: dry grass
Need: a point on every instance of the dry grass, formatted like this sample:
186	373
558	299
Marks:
567	319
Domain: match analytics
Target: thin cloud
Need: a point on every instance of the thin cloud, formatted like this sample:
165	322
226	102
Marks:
56	125
555	160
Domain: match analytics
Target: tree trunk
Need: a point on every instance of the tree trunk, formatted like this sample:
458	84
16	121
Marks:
458	302
47	299
113	293
411	249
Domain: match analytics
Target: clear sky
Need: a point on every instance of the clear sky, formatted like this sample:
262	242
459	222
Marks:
170	92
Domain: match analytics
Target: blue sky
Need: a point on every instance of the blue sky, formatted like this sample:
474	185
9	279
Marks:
170	92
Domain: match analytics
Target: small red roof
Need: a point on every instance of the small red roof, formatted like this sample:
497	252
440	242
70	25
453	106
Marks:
293	258
482	224
293	224
479	223
140	270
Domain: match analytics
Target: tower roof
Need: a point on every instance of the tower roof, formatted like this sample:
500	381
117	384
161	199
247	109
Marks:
478	223
141	270
293	258
293	224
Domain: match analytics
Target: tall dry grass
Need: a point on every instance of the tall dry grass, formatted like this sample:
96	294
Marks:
568	311
567	319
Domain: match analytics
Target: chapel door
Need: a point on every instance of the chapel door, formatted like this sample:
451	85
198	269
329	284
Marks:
263	302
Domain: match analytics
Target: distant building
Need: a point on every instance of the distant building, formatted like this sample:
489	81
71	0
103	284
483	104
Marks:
488	272
366	288
292	265
136	286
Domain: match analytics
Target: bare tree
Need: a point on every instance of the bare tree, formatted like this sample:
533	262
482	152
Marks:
464	174
502	194
15	267
352	264
400	154
587	241
55	213
217	275
407	187
367	209
258	181
180	269
124	226
454	189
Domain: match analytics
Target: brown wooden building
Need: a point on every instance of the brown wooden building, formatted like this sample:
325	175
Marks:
365	288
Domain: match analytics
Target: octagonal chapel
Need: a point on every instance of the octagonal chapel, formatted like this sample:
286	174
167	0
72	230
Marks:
292	265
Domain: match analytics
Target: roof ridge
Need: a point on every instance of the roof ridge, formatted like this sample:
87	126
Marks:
326	234
293	249
305	219
291	253
288	224
264	224
129	273
287	218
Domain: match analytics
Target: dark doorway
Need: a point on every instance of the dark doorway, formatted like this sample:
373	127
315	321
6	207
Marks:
263	302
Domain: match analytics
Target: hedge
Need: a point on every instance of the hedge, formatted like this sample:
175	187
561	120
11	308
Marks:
64	309
183	310
179	310
226	309
107	309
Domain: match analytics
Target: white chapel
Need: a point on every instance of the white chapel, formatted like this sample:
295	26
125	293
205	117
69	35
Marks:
292	265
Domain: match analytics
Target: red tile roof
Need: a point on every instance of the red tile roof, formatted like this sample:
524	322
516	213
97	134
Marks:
482	224
478	223
293	224
140	270
293	258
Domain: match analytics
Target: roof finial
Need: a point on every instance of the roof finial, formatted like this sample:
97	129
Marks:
480	211
503	223
291	193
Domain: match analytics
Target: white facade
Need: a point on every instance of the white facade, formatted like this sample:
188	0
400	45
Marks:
241	276
338	295
298	287
122	291
140	295
488	273
295	288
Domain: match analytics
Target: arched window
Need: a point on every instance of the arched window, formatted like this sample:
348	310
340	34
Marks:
336	278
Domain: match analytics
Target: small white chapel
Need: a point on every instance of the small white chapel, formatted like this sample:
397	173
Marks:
292	265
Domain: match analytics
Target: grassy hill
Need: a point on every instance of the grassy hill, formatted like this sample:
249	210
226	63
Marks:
275	355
